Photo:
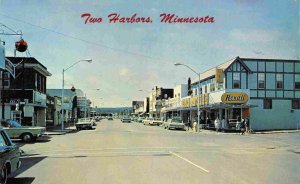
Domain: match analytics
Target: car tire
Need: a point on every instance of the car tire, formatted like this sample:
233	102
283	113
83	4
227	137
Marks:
27	137
3	175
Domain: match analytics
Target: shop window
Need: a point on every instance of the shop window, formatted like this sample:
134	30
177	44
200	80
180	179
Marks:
236	81
279	81
267	103
261	80
297	81
296	104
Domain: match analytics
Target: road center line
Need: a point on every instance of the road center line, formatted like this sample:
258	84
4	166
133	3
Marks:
189	162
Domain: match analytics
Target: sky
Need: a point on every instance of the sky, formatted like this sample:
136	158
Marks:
130	59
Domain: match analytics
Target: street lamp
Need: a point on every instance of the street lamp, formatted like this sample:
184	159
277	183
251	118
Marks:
63	86
198	99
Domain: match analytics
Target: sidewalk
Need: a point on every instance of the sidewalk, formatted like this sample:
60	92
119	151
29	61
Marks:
257	132
56	130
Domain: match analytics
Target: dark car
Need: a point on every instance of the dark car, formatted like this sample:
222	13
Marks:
9	157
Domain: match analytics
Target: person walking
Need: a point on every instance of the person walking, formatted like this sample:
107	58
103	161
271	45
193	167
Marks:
238	125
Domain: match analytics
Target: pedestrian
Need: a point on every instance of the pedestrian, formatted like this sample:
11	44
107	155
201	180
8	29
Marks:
238	125
243	127
247	125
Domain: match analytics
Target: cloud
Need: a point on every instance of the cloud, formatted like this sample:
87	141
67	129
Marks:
254	35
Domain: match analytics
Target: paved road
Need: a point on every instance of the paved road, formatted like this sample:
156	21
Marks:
134	153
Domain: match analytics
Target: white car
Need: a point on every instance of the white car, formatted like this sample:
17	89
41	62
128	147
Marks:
147	121
174	124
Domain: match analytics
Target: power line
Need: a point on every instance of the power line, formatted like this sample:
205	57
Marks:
79	39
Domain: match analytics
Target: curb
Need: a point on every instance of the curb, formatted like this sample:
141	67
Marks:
59	132
278	132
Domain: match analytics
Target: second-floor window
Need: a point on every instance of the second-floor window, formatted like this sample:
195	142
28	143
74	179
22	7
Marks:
297	81
267	103
296	104
261	80
6	80
212	87
279	81
236	80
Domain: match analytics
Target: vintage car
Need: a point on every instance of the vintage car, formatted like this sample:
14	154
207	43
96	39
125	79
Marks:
174	124
140	119
147	121
9	157
156	121
84	123
126	119
26	133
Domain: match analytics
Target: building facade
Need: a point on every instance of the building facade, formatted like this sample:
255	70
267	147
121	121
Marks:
24	96
265	91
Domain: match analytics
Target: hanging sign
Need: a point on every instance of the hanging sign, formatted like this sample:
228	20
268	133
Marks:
234	98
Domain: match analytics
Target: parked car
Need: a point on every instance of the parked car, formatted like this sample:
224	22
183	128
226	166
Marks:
174	124
84	123
126	119
156	121
140	119
9	157
109	118
146	121
26	133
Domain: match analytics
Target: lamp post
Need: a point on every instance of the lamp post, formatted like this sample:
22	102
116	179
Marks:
198	98
63	86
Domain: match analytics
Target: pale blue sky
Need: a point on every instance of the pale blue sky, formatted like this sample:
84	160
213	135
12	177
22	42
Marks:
144	54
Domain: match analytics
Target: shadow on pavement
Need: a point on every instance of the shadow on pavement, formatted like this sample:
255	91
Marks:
43	139
22	180
28	163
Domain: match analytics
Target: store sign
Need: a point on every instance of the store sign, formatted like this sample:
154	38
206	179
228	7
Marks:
219	75
235	98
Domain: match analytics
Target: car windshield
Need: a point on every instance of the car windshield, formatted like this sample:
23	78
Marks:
176	120
14	124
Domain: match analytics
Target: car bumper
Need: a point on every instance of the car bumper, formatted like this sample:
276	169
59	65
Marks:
177	126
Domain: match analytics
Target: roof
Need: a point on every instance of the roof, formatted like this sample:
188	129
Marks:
30	62
211	72
27	60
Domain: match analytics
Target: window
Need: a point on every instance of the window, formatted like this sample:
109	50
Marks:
236	80
261	80
6	80
267	103
3	140
212	87
279	81
297	81
296	104
205	89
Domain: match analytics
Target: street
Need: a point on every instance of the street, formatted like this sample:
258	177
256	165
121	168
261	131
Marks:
116	152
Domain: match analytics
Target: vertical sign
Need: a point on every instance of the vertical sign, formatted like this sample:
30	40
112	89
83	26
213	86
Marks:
2	57
219	75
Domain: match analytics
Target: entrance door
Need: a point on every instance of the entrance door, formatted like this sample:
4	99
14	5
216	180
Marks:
17	116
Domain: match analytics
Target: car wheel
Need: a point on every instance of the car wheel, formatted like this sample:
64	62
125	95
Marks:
3	175
27	137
